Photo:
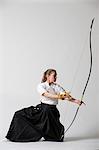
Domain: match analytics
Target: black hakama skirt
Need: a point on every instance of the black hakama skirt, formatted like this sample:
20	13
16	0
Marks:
32	123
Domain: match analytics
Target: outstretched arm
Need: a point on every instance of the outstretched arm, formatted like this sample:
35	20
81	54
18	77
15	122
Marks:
54	96
71	99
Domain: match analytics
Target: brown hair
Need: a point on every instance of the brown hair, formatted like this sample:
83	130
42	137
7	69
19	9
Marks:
48	72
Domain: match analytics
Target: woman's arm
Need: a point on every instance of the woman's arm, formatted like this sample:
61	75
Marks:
54	96
62	97
70	98
77	101
49	95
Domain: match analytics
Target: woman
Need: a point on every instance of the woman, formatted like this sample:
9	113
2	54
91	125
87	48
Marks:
33	123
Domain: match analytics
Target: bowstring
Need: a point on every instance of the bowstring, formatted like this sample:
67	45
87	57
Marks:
79	62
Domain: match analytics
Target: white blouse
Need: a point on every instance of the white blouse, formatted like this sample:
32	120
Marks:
54	88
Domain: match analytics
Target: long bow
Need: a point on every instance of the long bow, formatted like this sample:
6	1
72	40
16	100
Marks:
83	92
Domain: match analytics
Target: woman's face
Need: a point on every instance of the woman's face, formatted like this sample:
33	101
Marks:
51	78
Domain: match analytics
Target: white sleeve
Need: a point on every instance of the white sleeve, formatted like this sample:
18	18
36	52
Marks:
41	90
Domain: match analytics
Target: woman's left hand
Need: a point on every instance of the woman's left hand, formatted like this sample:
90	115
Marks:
78	102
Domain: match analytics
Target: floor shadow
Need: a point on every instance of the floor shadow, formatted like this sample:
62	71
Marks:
71	139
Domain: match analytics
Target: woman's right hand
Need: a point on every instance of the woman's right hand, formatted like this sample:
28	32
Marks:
64	95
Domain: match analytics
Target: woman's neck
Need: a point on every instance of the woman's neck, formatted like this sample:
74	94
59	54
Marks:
49	82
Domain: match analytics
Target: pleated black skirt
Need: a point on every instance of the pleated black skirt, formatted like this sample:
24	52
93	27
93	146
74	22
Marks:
32	123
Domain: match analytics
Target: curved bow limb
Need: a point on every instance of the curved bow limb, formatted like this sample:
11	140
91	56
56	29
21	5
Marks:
81	102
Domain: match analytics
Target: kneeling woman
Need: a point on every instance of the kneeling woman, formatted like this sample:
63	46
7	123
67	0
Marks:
32	123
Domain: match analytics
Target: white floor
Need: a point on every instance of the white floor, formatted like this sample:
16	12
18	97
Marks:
68	144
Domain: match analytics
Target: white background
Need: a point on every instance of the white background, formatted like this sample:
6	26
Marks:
37	35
